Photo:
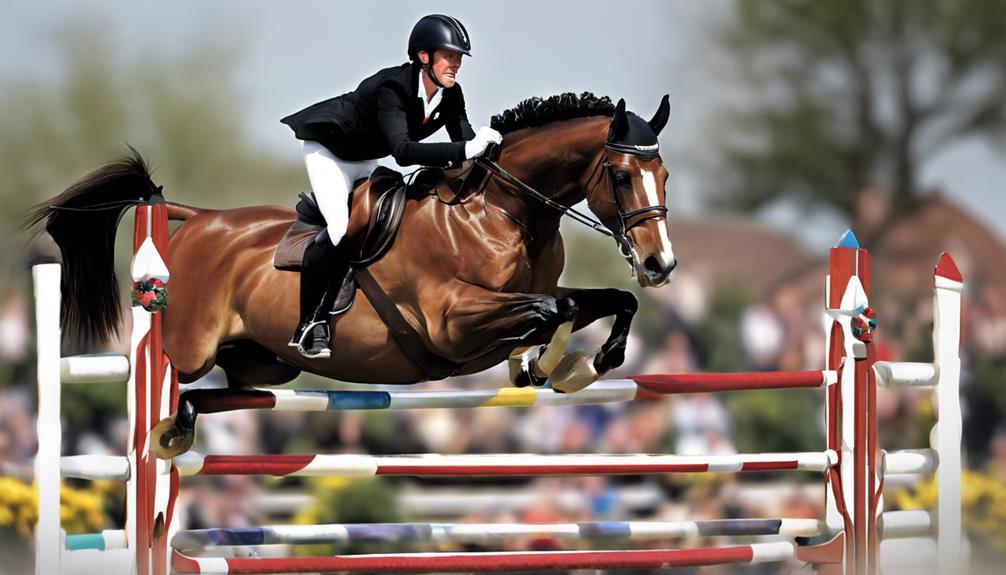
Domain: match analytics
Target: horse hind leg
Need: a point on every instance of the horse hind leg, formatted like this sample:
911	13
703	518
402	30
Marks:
538	365
533	365
246	363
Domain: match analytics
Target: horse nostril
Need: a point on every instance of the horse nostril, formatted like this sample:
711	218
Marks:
652	265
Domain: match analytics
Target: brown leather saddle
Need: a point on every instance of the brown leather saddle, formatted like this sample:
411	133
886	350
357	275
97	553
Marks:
374	219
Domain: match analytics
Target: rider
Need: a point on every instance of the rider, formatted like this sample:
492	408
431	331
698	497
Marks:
388	114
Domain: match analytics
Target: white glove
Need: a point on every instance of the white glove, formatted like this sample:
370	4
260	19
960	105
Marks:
477	145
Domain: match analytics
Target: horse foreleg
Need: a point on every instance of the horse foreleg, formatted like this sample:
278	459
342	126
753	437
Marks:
577	370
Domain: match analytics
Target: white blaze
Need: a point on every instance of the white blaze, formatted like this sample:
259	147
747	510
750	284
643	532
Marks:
650	185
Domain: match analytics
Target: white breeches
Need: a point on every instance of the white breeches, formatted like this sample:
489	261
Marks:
332	181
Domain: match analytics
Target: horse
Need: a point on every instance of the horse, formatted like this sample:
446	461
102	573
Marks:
475	280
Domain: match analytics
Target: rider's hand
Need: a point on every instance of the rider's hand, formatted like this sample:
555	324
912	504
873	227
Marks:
477	145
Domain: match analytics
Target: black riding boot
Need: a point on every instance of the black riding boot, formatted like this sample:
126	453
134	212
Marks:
322	262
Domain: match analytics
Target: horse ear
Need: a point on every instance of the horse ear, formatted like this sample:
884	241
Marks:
663	113
619	123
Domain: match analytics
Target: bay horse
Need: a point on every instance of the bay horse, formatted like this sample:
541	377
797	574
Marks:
476	280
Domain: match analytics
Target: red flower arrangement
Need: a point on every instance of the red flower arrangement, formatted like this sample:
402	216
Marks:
152	294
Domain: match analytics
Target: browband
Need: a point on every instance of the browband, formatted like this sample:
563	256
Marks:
642	152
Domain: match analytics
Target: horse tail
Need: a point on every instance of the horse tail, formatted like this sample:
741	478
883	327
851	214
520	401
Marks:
82	220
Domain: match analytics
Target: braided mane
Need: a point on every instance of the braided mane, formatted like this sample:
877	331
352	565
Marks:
535	112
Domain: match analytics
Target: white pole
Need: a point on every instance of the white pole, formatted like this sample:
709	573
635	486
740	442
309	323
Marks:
48	548
946	436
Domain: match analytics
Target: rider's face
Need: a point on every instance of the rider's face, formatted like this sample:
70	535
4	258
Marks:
446	64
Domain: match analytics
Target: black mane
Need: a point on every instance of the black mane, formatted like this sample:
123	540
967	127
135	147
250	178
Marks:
535	112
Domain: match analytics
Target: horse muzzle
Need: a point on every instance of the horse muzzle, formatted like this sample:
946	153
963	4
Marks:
653	270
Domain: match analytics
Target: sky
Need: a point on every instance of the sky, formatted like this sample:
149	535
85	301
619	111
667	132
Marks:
293	53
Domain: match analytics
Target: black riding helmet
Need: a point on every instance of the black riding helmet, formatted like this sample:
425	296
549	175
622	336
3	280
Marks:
437	31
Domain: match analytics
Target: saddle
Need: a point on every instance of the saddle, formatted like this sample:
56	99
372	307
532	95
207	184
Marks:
374	219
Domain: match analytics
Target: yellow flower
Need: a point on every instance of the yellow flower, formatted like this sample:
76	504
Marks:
80	511
983	499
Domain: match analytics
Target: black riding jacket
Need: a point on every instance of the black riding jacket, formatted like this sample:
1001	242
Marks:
384	116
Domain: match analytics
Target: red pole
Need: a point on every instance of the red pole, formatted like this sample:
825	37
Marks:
716	382
859	466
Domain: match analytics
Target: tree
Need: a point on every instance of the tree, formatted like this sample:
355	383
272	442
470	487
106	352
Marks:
182	111
841	98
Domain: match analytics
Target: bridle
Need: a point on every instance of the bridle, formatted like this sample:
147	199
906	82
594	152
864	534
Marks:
625	221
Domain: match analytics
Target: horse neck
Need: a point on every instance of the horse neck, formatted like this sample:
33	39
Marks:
556	160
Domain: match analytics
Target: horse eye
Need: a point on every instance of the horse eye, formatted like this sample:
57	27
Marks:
621	178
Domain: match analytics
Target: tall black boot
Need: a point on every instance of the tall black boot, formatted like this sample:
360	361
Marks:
321	259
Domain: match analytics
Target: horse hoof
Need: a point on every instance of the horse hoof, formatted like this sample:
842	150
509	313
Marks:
166	442
528	377
523	369
574	372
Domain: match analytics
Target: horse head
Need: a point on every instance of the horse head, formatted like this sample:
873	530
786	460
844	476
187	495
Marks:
626	192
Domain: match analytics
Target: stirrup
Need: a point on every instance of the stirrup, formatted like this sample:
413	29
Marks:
319	349
298	334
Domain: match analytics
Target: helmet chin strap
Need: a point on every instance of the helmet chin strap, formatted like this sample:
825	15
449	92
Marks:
429	72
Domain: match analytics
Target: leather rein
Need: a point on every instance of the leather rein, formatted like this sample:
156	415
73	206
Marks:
626	220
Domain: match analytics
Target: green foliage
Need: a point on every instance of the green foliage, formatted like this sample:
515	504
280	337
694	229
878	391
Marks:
718	334
93	406
360	501
985	398
593	260
776	420
989	375
841	97
184	114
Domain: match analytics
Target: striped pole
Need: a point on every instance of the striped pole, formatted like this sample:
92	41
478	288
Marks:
152	495
107	539
218	400
605	391
484	533
846	286
430	465
491	562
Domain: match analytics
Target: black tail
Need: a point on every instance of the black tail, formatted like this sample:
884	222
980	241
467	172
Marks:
82	220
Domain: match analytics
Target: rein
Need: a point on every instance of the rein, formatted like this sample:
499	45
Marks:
572	213
626	221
